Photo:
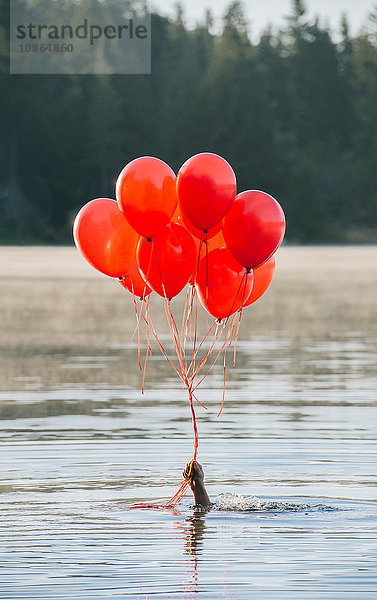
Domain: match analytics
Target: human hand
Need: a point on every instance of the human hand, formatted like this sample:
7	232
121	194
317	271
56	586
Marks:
193	471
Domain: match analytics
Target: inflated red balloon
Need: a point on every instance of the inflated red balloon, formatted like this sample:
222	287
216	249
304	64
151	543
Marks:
223	285
133	282
254	228
206	189
167	262
104	237
262	278
146	193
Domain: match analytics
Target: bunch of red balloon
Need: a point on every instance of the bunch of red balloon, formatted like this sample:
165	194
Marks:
164	233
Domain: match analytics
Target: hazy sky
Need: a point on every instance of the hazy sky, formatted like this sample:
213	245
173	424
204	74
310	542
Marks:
260	12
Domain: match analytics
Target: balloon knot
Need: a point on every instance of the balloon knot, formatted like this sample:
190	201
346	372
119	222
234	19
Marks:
248	270
149	239
120	278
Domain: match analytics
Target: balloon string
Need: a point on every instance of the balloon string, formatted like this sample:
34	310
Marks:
194	296
217	356
196	440
236	296
198	260
178	495
198	401
159	270
168	315
148	319
207	269
183	325
236	337
137	317
179	339
240	317
188	321
145	368
194	352
227	345
184	374
147	328
217	336
206	356
137	329
214	324
148	353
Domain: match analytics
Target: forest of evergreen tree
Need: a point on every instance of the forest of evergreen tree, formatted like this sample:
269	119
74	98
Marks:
295	114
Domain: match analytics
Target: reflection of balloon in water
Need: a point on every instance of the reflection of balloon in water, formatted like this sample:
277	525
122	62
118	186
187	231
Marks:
146	193
104	237
133	282
262	278
222	283
167	262
206	189
254	228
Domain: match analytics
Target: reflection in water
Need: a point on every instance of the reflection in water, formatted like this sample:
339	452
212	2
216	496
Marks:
193	529
194	533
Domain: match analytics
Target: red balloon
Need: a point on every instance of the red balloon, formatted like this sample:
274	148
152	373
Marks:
222	283
206	188
167	262
133	282
104	237
146	193
254	228
262	278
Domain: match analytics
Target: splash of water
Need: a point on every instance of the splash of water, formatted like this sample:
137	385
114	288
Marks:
238	502
229	501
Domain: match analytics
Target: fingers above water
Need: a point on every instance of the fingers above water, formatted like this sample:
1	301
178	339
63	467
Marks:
193	469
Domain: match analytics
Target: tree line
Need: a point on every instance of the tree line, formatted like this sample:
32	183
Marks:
294	113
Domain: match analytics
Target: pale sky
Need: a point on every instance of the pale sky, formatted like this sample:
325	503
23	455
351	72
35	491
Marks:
261	12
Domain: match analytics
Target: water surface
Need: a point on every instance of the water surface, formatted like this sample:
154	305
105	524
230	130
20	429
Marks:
298	428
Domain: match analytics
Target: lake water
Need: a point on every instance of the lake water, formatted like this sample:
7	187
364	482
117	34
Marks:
298	431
